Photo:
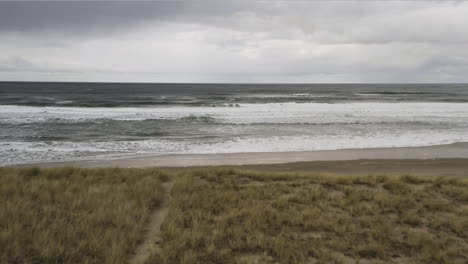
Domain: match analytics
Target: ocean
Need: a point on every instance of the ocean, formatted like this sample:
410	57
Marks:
45	122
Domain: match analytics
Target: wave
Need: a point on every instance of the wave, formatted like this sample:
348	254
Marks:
16	152
406	93
221	101
210	120
272	113
195	118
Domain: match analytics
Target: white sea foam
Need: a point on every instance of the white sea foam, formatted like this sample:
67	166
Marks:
24	152
318	113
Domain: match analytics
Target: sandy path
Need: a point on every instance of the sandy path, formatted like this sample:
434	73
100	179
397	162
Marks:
152	236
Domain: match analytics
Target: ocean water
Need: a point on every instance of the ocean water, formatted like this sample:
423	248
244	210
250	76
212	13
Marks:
41	122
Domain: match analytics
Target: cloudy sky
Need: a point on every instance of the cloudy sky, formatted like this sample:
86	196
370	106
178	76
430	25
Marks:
235	41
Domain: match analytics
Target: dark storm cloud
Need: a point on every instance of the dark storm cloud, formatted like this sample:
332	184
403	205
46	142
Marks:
79	16
102	15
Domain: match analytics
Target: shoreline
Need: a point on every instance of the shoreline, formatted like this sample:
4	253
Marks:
457	150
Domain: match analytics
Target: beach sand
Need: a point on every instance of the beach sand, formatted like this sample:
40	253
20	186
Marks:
444	160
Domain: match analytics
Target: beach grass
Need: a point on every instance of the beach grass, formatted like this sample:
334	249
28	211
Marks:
230	216
74	215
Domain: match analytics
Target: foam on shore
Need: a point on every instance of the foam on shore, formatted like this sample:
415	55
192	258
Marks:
456	150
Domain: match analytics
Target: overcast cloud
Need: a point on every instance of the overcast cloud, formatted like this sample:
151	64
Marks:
235	41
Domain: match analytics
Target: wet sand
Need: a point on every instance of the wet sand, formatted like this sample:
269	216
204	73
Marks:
420	167
449	160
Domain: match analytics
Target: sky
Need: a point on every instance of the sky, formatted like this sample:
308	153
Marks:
235	41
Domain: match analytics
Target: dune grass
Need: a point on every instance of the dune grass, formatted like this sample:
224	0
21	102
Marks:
72	215
229	216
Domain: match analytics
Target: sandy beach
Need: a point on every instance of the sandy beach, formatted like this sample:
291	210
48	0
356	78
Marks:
451	159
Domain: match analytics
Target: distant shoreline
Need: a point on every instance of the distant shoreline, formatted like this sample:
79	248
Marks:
448	151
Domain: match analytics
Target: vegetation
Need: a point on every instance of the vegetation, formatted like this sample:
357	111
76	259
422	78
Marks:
229	216
73	215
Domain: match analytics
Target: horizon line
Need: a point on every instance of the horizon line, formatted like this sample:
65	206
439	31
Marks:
233	83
